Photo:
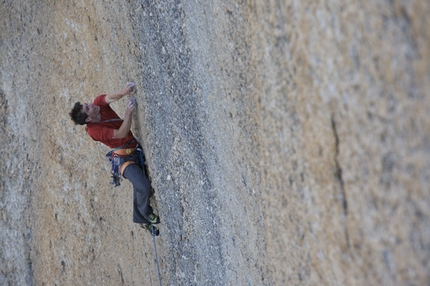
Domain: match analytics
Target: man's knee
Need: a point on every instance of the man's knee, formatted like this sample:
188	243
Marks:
132	171
135	175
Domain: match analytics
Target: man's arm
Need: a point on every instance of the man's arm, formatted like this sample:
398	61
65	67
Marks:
126	124
130	88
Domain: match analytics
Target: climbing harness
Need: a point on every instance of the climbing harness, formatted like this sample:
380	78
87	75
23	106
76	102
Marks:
116	161
155	250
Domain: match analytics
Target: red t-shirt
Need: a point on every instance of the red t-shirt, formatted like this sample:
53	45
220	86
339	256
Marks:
103	131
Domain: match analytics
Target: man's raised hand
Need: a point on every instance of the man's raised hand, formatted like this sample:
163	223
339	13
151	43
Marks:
131	105
131	87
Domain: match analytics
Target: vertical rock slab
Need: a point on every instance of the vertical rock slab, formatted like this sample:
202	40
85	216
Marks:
345	127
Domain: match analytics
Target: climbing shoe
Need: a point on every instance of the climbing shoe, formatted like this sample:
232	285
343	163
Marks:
152	229
153	219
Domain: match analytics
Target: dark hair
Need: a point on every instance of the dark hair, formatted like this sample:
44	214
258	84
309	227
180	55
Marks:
77	115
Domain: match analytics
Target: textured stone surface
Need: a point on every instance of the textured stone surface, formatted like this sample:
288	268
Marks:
345	107
288	142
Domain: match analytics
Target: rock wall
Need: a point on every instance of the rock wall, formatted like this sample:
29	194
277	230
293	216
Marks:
345	133
287	141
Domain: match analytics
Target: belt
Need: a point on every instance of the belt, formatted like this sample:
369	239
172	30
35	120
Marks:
125	152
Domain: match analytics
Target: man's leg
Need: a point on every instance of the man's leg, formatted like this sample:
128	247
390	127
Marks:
141	192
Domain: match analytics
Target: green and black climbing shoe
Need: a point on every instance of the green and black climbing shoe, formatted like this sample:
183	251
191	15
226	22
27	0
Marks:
152	229
153	219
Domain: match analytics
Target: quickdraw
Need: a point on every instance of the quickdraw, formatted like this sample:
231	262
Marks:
115	162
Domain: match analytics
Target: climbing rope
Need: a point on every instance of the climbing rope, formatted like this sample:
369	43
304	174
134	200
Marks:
155	250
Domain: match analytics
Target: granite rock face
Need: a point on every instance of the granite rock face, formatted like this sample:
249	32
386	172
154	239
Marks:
288	142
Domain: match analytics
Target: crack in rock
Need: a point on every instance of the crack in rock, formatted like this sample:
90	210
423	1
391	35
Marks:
338	174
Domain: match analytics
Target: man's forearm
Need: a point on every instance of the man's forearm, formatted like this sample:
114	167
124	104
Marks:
130	88
124	128
111	97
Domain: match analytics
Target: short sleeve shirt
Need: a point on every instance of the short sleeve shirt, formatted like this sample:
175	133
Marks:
104	131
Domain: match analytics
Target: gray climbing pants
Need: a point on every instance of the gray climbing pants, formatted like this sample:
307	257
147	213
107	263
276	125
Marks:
141	192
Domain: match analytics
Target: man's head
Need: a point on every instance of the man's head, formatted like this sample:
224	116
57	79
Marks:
85	113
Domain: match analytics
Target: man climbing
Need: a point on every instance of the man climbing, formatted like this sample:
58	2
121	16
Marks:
126	157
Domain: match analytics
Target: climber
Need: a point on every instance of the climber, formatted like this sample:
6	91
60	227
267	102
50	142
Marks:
105	126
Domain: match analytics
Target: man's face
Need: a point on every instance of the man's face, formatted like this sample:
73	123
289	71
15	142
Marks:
91	110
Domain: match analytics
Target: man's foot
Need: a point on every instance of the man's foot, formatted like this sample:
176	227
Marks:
152	229
153	219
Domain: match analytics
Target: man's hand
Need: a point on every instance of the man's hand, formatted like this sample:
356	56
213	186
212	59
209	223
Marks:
130	88
131	105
